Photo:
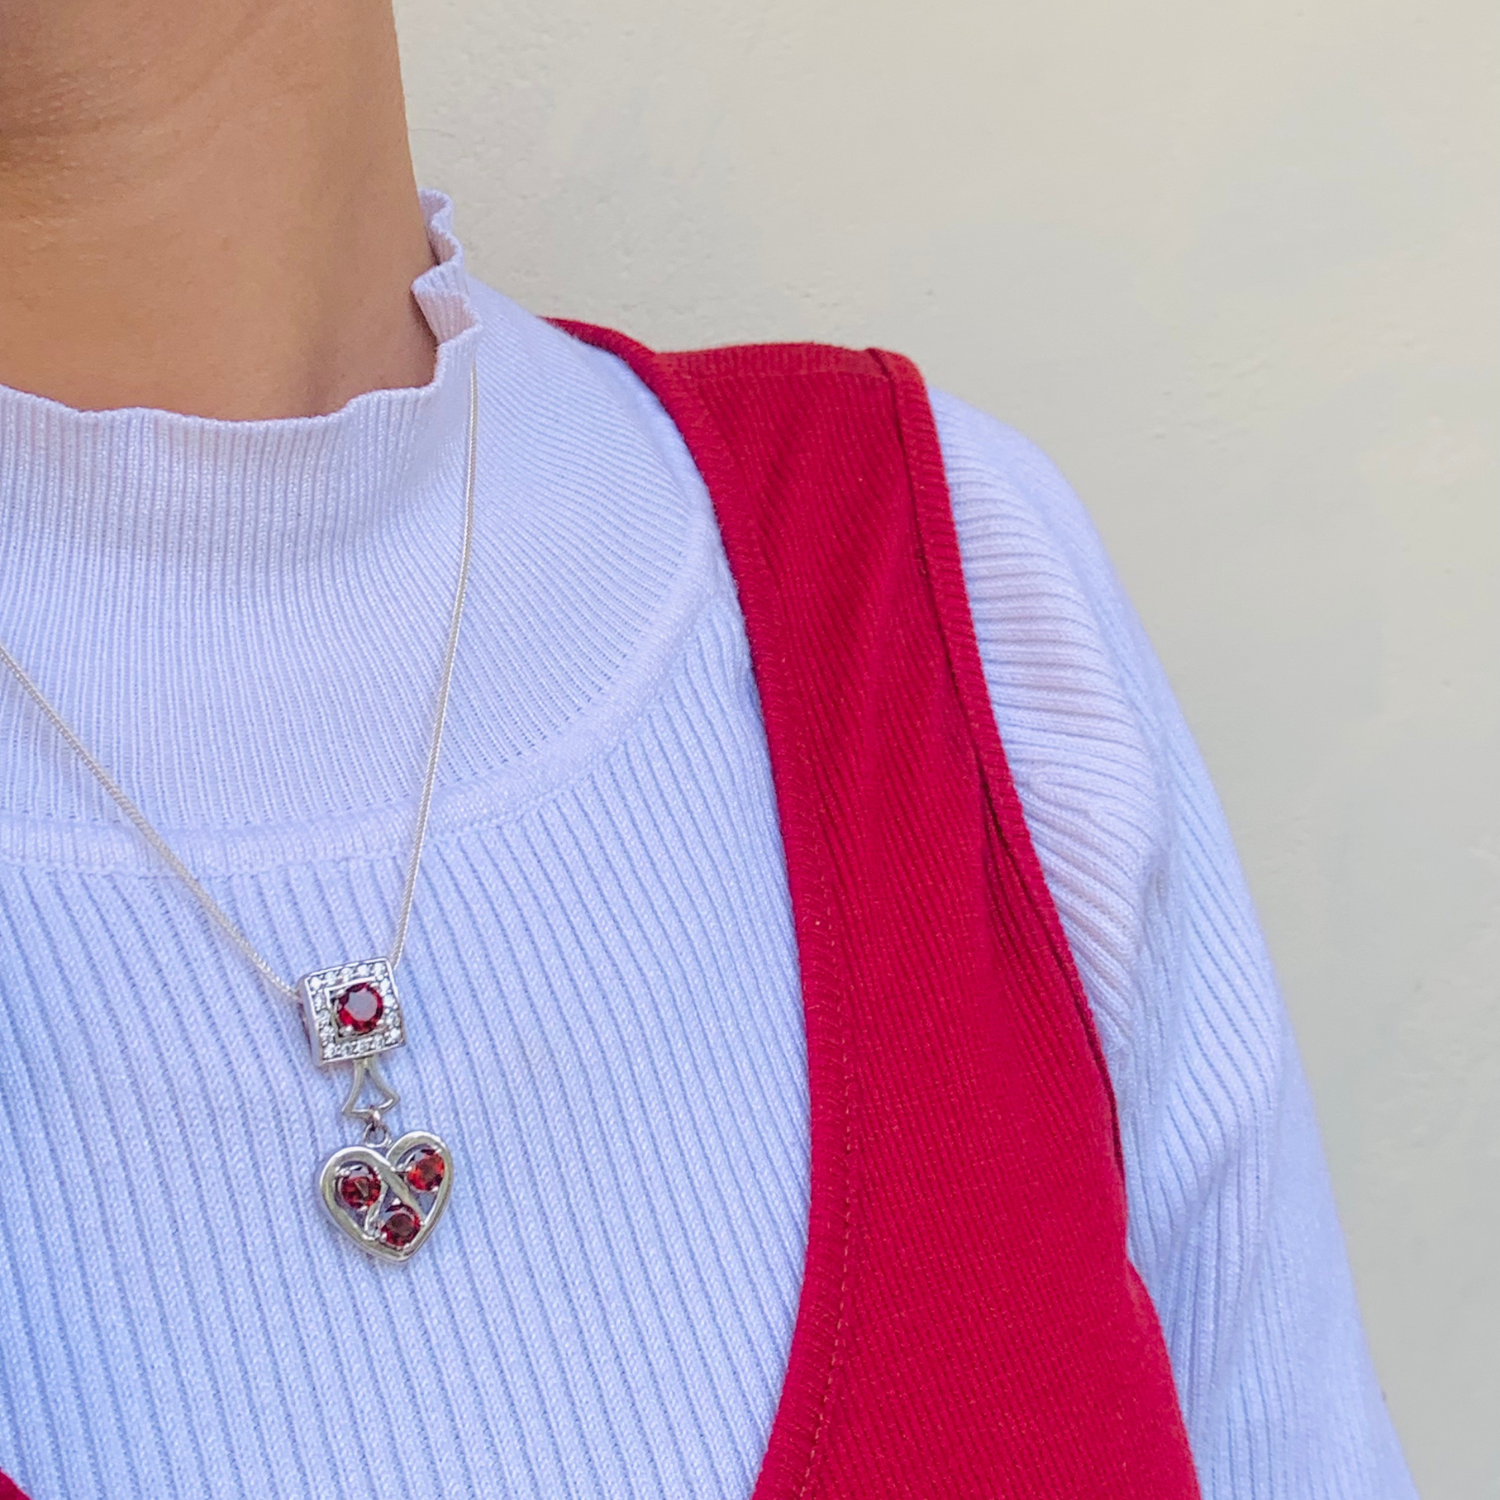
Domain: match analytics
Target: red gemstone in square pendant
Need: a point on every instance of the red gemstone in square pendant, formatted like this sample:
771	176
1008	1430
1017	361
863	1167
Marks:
351	1011
359	1009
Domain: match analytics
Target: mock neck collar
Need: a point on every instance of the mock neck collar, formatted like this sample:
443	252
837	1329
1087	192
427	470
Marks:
162	486
244	621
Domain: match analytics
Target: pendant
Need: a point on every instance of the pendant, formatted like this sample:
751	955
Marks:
385	1195
388	1199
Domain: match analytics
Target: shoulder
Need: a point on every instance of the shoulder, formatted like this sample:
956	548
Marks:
1080	701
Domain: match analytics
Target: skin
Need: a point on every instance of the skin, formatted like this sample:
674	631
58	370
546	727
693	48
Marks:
207	206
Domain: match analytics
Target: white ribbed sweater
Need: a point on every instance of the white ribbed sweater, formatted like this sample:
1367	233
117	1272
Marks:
244	621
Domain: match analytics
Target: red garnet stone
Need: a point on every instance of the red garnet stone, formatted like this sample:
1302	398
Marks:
360	1009
400	1226
424	1170
359	1186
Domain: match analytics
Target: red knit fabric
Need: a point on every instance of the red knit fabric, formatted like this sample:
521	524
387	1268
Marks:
969	1324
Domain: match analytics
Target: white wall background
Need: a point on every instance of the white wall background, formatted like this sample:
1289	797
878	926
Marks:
1234	267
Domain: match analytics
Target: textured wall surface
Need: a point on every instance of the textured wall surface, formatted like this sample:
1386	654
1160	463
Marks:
1234	268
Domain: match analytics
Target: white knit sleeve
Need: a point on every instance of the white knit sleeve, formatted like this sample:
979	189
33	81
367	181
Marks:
1232	1223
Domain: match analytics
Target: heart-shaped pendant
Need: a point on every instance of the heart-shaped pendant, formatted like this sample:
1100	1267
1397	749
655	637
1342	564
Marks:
388	1199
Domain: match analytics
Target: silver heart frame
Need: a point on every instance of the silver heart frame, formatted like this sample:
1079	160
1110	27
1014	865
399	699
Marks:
363	1226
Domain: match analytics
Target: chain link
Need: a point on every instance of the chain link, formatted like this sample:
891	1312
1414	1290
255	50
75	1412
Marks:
164	850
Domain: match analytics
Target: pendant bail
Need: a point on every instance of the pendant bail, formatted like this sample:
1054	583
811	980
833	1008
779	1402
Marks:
366	1070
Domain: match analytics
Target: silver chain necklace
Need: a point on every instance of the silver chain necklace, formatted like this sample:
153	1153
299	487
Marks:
385	1195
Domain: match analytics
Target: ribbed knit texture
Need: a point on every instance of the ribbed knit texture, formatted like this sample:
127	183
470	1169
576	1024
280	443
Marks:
244	622
970	1324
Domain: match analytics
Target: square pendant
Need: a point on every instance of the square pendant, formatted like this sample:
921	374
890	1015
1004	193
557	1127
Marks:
351	1011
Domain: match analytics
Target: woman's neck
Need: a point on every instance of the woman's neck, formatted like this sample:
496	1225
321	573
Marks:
207	208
